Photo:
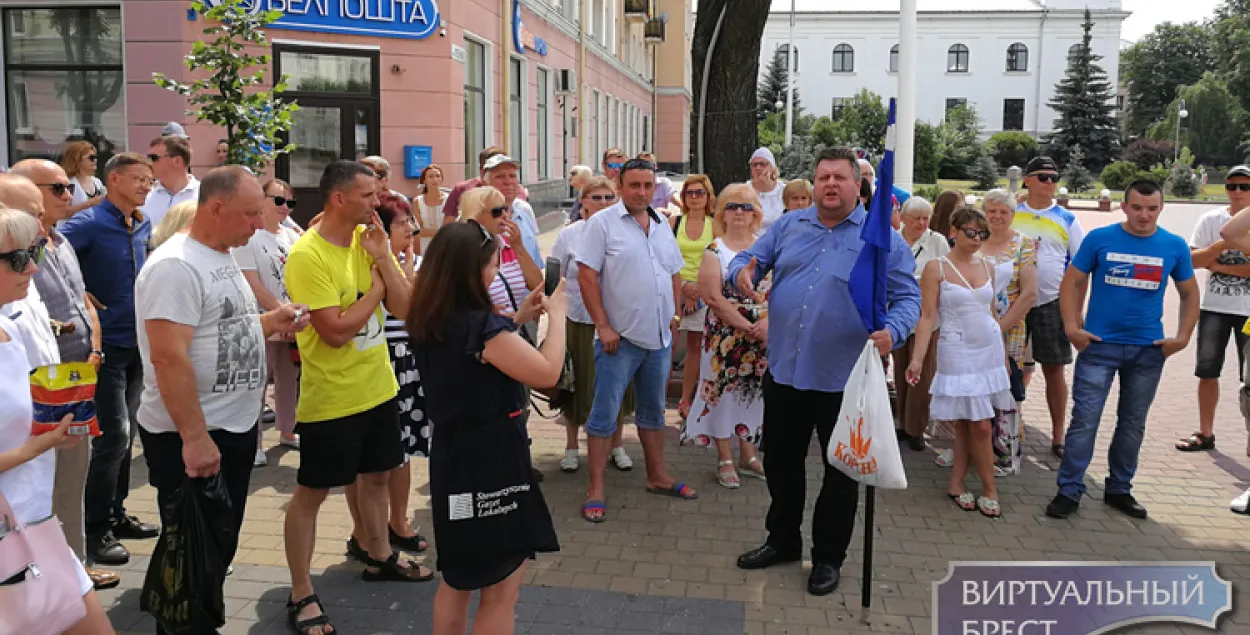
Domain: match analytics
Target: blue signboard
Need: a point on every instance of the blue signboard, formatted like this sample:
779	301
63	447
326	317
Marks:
417	158
411	19
521	38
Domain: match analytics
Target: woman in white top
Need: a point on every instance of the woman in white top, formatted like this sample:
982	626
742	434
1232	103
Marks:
79	163
27	465
764	180
912	402
597	194
430	204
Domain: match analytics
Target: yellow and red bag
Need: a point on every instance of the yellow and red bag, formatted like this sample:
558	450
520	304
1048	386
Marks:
63	389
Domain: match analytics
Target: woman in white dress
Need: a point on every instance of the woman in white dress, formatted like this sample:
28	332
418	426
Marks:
764	180
971	380
80	162
729	401
430	204
27	463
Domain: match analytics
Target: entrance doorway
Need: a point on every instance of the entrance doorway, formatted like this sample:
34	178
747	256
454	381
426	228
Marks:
337	92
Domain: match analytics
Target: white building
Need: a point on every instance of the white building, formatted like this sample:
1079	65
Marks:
1003	57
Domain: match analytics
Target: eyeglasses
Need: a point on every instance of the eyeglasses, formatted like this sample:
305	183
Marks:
59	189
739	207
1231	187
497	212
20	259
289	202
975	234
1047	178
603	197
615	165
153	158
696	193
760	164
91	158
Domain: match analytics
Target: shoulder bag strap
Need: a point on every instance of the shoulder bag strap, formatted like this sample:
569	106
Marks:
512	299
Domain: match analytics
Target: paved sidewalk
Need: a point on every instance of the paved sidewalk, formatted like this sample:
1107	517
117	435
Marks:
660	565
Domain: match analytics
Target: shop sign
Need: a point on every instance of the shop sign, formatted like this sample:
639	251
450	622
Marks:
410	19
521	37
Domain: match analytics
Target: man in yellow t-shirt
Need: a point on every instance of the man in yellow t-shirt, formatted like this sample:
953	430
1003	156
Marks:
347	417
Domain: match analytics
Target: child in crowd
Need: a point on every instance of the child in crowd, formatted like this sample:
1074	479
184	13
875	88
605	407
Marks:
797	195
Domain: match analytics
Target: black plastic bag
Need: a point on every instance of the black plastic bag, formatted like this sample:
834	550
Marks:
183	587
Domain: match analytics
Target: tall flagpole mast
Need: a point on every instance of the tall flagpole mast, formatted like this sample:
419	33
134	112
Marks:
905	152
792	65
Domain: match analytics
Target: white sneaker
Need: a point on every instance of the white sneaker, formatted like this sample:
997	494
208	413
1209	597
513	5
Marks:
1241	504
261	460
569	463
621	460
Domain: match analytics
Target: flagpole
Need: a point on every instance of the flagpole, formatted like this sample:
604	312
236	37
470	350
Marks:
905	153
870	495
792	66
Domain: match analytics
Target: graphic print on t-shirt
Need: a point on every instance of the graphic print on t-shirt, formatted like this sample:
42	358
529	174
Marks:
371	334
1131	270
277	269
240	361
1224	284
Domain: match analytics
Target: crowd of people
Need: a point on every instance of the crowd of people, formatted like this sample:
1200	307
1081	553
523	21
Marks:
393	328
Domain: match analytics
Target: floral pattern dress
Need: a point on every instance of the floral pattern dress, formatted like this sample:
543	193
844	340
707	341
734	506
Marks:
729	401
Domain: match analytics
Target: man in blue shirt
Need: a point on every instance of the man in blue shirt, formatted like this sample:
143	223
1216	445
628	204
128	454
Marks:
815	336
1129	265
111	241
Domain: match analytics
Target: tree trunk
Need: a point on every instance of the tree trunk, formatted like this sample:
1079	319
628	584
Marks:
730	134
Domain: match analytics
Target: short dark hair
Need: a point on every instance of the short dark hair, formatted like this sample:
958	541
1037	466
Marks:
121	161
1143	187
839	154
392	207
222	182
635	164
485	154
969	215
178	147
339	174
450	283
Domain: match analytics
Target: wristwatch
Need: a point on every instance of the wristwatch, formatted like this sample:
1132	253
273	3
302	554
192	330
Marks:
95	352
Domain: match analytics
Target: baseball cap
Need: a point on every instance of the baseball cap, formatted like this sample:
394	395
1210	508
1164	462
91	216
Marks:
1239	170
1040	164
173	129
498	160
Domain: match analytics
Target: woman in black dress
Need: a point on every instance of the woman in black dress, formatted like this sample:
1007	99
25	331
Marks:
489	514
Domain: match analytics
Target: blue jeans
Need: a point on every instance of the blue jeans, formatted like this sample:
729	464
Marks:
649	371
108	475
1139	368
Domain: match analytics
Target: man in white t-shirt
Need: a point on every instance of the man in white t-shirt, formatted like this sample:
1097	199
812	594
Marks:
170	157
202	340
1225	305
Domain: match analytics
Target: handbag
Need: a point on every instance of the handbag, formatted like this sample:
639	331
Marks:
39	577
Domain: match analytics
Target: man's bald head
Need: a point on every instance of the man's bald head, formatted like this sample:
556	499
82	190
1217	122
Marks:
47	175
19	192
230	208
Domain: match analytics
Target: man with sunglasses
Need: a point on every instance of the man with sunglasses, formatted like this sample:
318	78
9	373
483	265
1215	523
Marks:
171	160
1058	235
1225	305
613	160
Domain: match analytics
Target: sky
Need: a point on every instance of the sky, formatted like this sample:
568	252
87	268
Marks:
1148	13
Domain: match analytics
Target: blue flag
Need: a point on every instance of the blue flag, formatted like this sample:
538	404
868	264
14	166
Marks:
867	283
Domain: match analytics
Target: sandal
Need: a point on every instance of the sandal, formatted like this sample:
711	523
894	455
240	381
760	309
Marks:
676	490
304	627
569	463
415	543
988	507
965	501
727	479
594	505
1057	450
390	570
1196	443
621	460
753	468
356	551
945	458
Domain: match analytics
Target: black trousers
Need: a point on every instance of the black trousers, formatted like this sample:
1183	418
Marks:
790	415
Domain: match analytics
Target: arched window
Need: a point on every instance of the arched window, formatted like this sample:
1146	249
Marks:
1017	58
843	59
957	59
784	52
894	59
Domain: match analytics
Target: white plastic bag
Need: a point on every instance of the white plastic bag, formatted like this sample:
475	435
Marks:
863	445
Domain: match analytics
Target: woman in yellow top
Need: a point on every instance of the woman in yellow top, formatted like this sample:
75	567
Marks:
693	229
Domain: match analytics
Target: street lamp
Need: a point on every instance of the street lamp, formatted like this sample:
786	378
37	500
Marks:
1181	114
779	104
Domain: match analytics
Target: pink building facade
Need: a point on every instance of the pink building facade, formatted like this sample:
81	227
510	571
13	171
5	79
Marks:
556	82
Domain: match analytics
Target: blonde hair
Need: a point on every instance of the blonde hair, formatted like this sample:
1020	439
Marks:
18	229
477	200
746	194
175	220
579	173
799	187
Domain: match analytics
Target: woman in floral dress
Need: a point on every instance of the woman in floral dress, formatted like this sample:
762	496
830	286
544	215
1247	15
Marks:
729	400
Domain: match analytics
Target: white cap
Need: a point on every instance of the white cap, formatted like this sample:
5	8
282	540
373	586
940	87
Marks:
173	129
498	160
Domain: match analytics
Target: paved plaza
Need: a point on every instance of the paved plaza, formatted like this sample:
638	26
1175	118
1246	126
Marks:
660	565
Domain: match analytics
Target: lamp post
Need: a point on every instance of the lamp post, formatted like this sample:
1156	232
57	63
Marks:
779	104
1181	114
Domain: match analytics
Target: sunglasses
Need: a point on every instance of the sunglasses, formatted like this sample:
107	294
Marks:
1232	187
20	259
615	166
154	157
91	158
1047	178
739	207
603	197
975	234
59	189
696	193
281	200
497	212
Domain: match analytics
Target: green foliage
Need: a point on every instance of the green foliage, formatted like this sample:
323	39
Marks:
928	192
798	160
864	122
1231	47
1214	127
957	143
825	132
1118	175
927	157
1159	174
1011	147
985	173
772	87
230	95
1171	56
1076	176
1147	153
1183	181
1085	102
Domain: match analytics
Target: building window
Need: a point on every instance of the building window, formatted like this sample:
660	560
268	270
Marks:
955	102
784	51
839	105
474	103
894	59
516	113
1017	58
544	129
597	148
63	80
843	59
646	133
957	59
1013	114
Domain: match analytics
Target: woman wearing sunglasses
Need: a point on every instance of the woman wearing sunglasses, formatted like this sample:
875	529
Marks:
971	381
27	465
597	194
694	231
518	277
79	163
263	263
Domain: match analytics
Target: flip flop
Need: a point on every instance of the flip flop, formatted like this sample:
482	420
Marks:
676	490
594	505
965	501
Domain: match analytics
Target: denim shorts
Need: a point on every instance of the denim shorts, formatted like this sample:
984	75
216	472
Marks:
649	371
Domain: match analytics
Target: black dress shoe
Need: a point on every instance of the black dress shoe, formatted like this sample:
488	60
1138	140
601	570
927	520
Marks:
916	442
1061	507
130	527
104	549
823	580
763	557
1126	504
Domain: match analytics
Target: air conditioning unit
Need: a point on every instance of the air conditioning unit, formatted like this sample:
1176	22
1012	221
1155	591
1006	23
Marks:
637	10
653	31
566	81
